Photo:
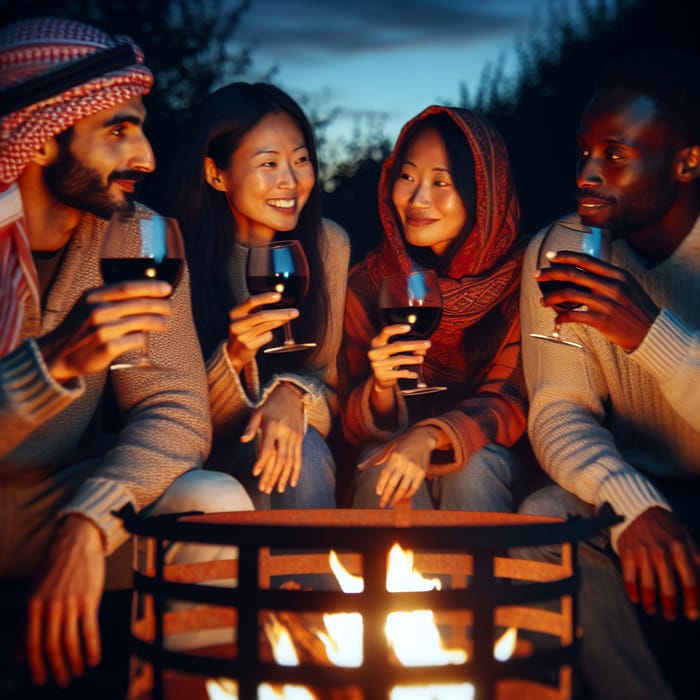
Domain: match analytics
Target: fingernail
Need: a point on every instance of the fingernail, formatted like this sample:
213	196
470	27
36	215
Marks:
550	254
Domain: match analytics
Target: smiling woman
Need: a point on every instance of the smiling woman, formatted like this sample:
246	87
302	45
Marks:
247	177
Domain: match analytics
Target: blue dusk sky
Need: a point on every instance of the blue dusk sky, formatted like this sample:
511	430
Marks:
385	56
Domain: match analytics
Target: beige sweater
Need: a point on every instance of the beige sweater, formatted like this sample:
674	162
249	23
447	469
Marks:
233	396
167	427
602	420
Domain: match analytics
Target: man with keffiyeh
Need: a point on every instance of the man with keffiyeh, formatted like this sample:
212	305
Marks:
68	160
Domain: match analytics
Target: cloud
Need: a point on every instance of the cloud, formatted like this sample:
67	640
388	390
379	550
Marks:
310	29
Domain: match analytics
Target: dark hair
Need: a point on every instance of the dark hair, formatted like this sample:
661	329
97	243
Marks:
461	164
670	78
218	126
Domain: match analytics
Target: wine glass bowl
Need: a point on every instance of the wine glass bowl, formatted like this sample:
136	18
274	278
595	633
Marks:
577	237
282	267
414	300
141	246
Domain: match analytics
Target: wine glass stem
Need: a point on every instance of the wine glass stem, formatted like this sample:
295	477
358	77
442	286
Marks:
288	339
420	384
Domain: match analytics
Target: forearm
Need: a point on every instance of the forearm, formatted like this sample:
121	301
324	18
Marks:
671	353
29	397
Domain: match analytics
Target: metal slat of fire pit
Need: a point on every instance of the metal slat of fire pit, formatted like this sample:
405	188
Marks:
501	591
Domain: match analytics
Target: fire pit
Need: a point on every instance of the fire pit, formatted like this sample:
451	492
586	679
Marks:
231	605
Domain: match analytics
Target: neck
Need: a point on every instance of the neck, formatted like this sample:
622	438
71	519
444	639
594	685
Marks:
50	224
657	242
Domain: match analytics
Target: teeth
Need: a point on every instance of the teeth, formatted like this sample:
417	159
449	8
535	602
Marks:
283	203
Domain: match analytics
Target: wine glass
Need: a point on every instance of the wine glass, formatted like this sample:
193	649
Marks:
280	266
413	300
576	237
141	246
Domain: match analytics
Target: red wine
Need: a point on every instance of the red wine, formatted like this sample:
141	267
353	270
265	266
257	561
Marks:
125	269
422	319
293	288
550	287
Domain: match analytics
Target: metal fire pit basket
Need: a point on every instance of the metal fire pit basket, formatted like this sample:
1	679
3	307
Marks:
227	601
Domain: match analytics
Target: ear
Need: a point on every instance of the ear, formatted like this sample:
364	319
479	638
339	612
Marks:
46	154
688	164
212	175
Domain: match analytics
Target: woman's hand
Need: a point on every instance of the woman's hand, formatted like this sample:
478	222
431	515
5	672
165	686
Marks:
250	328
404	462
388	360
279	425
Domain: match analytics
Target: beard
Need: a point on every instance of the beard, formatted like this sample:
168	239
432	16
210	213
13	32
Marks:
80	187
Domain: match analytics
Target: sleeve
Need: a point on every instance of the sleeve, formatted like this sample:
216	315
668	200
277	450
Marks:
567	393
167	426
495	413
670	352
29	396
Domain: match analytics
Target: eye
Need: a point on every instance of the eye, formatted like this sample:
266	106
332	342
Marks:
442	183
303	159
406	176
118	130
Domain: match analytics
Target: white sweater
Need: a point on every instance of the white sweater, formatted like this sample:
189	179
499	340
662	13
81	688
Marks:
602	420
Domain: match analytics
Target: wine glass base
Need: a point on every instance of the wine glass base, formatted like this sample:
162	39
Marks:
417	390
560	341
140	365
291	347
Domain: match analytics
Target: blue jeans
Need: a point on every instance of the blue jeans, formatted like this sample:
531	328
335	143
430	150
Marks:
490	482
616	662
316	487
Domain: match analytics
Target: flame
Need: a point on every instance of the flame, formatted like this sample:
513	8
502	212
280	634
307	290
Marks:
413	636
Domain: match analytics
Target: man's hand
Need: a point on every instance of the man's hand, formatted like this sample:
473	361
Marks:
280	424
657	553
62	626
616	305
251	328
105	323
404	462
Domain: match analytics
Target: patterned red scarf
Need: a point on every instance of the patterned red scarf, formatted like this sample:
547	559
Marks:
485	270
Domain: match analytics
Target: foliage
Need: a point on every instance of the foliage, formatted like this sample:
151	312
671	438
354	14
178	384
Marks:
187	44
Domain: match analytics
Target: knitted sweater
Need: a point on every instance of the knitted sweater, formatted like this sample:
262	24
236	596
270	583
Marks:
602	421
44	424
234	396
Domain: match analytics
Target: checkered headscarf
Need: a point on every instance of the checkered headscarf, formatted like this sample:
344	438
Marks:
35	46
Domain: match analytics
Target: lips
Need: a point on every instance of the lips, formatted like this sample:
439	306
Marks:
417	221
287	204
126	185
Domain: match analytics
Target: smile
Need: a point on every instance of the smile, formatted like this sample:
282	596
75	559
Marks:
282	203
419	221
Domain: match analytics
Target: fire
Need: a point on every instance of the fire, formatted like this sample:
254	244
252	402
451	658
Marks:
413	636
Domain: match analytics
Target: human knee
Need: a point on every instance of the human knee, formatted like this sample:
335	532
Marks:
203	491
554	501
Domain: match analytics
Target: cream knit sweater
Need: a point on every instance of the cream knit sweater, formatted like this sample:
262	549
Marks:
602	420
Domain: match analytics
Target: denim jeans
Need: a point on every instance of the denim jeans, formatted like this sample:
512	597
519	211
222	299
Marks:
616	663
316	487
490	482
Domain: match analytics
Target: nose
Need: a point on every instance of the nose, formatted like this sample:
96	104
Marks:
420	196
588	174
287	177
143	158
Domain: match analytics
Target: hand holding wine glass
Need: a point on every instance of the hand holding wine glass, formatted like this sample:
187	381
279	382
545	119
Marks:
413	300
282	267
142	246
575	237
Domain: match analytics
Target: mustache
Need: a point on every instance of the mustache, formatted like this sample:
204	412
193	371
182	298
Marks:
134	175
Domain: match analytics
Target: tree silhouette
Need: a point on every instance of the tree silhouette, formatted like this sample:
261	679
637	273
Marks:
187	44
538	110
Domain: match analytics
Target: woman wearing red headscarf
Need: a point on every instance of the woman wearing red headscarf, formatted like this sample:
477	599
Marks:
447	202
